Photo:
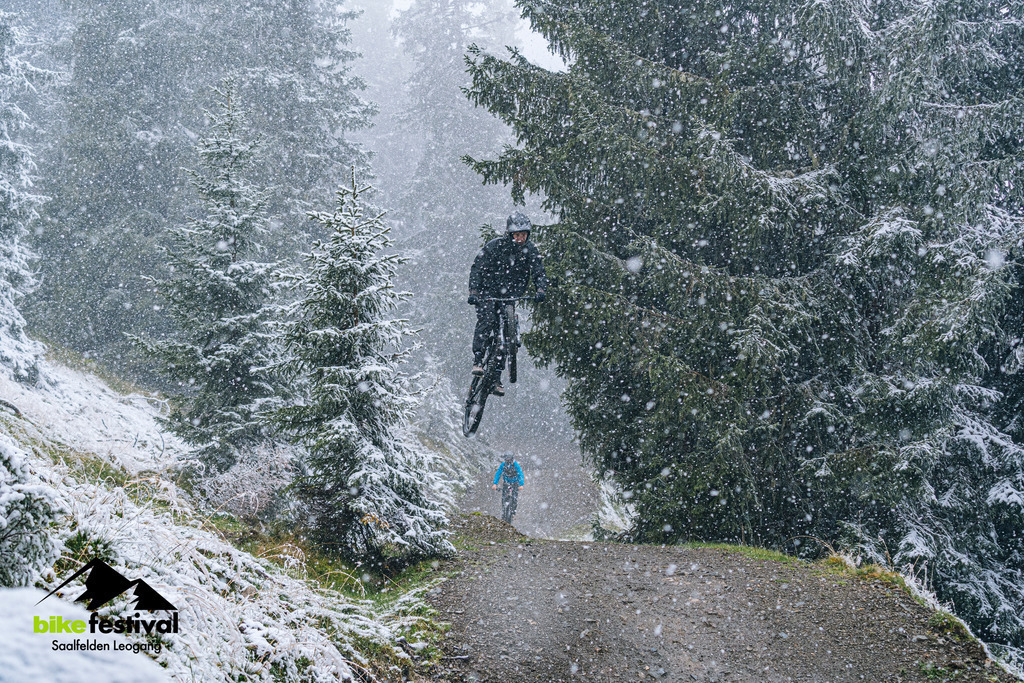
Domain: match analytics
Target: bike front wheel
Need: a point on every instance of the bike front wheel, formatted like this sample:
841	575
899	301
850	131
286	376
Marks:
509	499
474	411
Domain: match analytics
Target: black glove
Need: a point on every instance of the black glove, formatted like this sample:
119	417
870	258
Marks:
473	300
539	296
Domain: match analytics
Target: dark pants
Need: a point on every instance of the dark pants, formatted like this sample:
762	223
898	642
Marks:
486	325
509	500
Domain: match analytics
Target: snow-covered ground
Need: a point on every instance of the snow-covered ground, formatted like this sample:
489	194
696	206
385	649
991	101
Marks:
29	656
77	409
239	615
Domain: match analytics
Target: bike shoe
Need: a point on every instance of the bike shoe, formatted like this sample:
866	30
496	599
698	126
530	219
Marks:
478	371
498	390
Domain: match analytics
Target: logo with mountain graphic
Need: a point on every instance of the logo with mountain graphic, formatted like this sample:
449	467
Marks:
103	583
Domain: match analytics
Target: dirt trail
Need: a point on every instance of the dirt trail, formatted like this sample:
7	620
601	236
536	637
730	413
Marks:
532	610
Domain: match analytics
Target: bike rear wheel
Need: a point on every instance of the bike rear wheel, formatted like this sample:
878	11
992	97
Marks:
512	340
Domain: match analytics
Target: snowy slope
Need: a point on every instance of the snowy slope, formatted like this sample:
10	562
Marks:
28	656
239	615
73	407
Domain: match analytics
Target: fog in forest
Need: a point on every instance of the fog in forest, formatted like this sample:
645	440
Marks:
783	242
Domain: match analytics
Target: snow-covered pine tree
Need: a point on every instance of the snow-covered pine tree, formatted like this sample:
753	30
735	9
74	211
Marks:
221	297
935	270
18	206
787	290
691	159
111	162
122	129
302	76
27	511
366	479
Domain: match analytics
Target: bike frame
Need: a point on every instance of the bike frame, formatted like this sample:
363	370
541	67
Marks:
499	349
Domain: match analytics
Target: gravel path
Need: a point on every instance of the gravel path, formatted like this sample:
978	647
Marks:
532	610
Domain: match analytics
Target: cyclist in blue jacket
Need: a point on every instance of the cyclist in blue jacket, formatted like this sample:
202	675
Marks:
510	474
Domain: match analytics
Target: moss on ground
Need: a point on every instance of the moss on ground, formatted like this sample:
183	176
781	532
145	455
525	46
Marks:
753	552
945	624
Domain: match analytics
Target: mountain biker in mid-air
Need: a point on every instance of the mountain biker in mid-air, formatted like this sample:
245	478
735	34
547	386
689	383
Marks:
503	268
510	474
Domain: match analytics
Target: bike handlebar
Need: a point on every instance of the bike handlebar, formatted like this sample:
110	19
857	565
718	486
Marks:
507	300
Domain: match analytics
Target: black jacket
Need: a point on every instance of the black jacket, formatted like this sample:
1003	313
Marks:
503	269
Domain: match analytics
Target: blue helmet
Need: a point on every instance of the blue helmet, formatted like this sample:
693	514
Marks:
518	222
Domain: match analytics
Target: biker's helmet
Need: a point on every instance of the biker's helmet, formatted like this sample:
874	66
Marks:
509	457
518	222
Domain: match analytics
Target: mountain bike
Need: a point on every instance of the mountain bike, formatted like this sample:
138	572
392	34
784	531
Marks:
503	345
509	500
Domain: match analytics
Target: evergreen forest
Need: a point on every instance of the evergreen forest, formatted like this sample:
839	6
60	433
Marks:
787	296
785	243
